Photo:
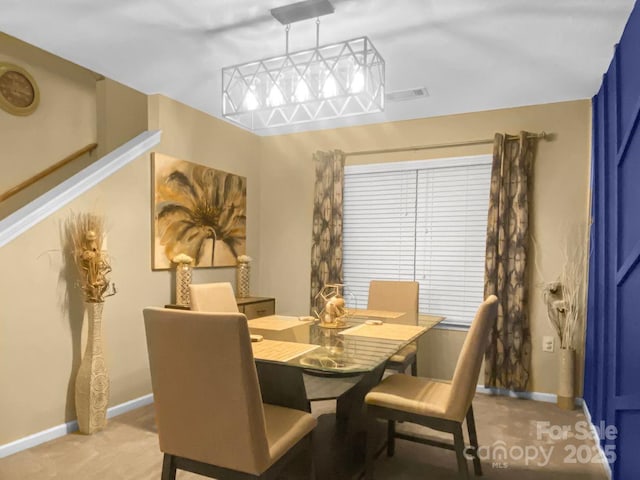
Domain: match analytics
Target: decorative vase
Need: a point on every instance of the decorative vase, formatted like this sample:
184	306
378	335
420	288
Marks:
242	279
92	381
183	280
566	375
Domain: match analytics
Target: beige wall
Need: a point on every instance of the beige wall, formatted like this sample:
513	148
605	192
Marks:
41	319
122	113
40	339
192	135
41	322
559	197
64	122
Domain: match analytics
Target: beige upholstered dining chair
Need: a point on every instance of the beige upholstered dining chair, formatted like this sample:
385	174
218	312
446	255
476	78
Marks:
437	405
398	296
209	411
213	297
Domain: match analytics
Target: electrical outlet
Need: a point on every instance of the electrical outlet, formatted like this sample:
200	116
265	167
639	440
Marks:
548	344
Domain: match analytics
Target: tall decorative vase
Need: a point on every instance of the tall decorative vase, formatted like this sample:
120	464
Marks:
566	376
183	280
92	381
242	279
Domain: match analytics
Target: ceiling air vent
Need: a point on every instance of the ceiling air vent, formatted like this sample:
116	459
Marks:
409	94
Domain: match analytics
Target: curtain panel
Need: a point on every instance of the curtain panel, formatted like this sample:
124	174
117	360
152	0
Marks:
326	246
508	354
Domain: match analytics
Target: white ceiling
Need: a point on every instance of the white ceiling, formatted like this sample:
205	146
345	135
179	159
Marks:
471	55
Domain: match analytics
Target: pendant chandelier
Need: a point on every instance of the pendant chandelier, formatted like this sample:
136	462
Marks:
324	82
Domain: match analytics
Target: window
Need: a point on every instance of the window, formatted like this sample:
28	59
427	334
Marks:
421	220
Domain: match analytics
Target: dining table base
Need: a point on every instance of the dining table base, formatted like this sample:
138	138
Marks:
339	442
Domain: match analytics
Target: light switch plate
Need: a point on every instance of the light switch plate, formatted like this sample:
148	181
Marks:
548	344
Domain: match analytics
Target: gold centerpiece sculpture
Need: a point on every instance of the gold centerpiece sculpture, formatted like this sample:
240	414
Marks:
330	307
330	310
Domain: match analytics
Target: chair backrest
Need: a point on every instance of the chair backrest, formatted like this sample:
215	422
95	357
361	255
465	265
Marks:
213	297
465	376
205	386
395	296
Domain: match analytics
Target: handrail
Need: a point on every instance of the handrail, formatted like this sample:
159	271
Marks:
47	203
40	175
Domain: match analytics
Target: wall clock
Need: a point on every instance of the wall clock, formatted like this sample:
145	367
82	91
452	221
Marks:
19	93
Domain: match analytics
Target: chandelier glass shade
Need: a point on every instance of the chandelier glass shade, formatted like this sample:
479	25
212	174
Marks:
329	81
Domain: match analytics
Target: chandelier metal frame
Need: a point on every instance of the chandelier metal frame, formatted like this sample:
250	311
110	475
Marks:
330	81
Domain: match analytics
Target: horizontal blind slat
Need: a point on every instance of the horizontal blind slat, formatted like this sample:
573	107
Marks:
427	224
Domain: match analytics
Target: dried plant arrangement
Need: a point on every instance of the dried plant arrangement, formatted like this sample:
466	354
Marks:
85	232
566	297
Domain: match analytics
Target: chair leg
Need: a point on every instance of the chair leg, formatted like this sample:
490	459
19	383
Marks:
168	468
391	438
370	448
458	442
473	439
312	462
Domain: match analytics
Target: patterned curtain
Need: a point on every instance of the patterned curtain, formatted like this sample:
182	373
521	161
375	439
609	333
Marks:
326	249
508	355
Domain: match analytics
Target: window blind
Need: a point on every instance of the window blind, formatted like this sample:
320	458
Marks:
423	221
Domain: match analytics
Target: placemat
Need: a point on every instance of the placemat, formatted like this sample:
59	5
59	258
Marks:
387	331
278	351
276	322
430	320
375	314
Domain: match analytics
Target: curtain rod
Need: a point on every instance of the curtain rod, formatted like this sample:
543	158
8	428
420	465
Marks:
541	135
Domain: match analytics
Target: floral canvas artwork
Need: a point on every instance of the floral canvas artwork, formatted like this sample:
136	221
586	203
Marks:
198	211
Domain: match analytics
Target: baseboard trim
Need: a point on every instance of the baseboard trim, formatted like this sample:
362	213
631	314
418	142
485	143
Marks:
537	396
72	426
68	427
594	432
130	405
503	392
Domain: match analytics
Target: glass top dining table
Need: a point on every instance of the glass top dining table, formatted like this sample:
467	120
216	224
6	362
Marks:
298	361
365	341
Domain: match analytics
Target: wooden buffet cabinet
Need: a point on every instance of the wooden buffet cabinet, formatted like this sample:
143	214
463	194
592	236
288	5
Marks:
254	307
